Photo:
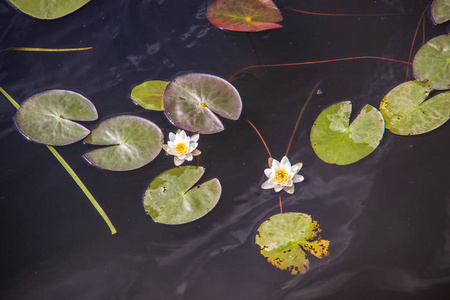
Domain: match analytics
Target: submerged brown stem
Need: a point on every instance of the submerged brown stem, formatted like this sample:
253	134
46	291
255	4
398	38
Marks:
345	15
414	40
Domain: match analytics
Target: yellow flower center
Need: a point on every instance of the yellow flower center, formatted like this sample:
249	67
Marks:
281	176
181	148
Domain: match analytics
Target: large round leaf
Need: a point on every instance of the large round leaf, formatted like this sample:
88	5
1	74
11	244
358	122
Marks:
406	113
432	63
149	94
48	9
168	199
191	99
247	16
133	141
335	142
46	117
440	10
285	238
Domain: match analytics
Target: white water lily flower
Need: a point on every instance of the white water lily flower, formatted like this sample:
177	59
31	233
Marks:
282	175
182	146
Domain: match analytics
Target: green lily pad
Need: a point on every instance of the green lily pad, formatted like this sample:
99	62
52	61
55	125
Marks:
46	117
440	10
168	199
246	16
192	99
48	9
133	141
335	142
432	63
149	94
286	238
406	113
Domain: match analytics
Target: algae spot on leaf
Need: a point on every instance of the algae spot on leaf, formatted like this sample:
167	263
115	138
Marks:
46	117
192	100
335	142
133	142
149	94
440	10
170	198
432	63
285	239
407	113
244	15
48	9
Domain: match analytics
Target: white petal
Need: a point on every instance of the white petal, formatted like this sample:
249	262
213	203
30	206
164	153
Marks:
289	183
285	163
278	188
299	165
298	178
195	137
171	144
172	136
189	156
196	152
275	164
267	185
289	189
182	135
294	169
165	147
178	161
181	156
171	151
192	146
268	172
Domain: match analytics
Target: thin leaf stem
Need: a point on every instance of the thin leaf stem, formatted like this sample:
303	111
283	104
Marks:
71	173
414	41
344	15
281	205
44	49
259	134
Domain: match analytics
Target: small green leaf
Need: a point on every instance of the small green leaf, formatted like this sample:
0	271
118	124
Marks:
406	113
168	199
48	9
246	16
149	94
335	142
133	141
285	238
440	10
46	117
192	99
432	63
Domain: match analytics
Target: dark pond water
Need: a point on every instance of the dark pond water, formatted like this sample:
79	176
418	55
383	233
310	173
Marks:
387	216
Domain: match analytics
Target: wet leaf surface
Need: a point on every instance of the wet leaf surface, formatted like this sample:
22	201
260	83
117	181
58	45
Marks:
286	238
149	94
432	63
48	9
171	199
192	100
46	117
335	142
246	16
440	10
133	142
407	113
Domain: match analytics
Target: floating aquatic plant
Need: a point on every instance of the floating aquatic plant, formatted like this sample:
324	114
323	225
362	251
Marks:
336	142
440	10
171	199
191	100
132	143
47	117
432	63
48	9
182	147
247	16
149	94
407	113
282	175
286	238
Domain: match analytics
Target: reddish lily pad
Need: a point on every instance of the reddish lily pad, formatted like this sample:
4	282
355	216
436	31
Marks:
246	16
191	100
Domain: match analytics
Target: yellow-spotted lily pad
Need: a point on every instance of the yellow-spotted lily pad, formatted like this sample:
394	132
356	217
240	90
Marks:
440	10
285	239
192	100
246	16
336	142
132	143
432	63
171	199
48	117
149	94
407	113
48	9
